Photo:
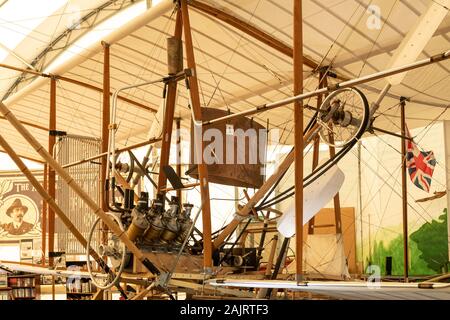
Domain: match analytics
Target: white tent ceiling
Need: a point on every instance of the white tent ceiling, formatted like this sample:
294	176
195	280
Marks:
235	70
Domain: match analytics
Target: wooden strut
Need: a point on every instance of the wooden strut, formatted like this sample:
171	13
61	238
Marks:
197	113
250	30
44	217
106	110
298	137
168	118
28	158
51	173
77	82
336	199
263	291
77	189
130	147
30	124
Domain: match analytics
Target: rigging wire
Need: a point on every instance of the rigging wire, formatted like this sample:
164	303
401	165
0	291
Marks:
64	95
237	46
155	48
376	39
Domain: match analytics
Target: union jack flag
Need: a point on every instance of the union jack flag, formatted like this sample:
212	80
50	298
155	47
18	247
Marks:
420	164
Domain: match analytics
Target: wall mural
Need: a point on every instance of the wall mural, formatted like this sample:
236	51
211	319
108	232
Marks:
428	249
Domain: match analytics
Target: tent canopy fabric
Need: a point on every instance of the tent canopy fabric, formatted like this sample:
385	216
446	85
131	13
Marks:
235	70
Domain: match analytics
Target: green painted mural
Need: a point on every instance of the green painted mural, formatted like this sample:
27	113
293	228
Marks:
428	250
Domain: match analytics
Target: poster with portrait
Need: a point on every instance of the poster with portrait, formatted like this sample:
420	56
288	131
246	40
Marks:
20	208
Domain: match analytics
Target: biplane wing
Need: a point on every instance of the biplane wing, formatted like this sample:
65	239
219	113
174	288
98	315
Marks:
66	273
349	290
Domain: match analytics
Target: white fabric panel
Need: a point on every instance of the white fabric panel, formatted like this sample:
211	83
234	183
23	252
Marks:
315	197
324	254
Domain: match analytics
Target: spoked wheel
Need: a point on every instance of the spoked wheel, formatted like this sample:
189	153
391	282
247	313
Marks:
343	117
125	165
108	245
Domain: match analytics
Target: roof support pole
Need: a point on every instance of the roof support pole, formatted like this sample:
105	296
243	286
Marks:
404	192
106	110
298	137
44	218
197	113
106	116
51	172
52	178
168	118
77	188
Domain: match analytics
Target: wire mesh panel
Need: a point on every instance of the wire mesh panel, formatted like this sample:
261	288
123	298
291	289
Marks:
68	150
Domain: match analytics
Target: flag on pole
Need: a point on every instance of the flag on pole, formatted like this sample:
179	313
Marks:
420	164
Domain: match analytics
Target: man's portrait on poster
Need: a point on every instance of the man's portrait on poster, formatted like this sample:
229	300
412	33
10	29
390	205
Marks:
21	218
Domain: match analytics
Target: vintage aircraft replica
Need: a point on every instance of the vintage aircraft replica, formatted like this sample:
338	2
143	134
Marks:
155	243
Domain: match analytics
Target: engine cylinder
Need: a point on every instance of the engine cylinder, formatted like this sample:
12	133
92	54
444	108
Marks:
154	231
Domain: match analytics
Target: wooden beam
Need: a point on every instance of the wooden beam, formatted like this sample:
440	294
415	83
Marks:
44	217
315	162
263	291
106	111
197	113
27	158
189	185
30	124
298	137
123	182
168	118
98	89
249	29
336	199
130	147
51	172
78	82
